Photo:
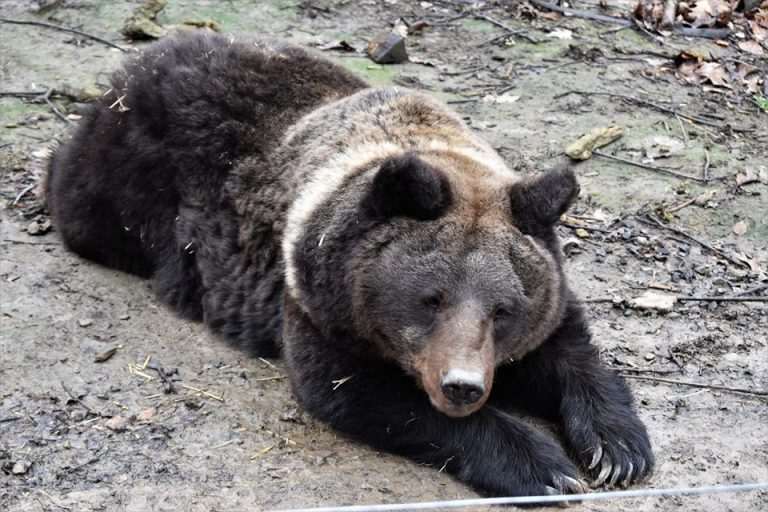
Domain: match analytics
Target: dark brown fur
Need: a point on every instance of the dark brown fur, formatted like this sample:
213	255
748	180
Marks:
367	235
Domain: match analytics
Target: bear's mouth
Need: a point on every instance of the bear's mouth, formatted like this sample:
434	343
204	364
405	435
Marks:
456	377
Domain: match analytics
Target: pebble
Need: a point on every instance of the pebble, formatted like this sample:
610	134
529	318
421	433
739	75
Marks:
650	356
84	322
20	468
117	423
387	48
39	227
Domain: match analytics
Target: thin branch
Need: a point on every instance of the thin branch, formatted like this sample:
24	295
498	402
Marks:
653	221
585	228
47	98
582	14
682	129
662	108
705	172
724	298
756	289
755	392
710	33
663	170
509	31
63	29
23	193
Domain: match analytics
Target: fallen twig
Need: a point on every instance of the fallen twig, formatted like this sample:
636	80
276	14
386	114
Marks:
653	221
509	31
23	193
642	370
681	205
723	298
682	129
662	108
755	392
206	393
582	14
63	29
710	33
705	172
77	399
59	114
585	228
663	170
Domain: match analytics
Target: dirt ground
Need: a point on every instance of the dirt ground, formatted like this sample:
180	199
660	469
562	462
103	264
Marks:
76	434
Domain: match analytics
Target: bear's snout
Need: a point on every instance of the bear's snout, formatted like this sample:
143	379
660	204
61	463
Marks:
456	363
462	387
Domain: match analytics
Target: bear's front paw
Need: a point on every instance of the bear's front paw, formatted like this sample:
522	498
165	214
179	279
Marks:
619	454
548	471
529	464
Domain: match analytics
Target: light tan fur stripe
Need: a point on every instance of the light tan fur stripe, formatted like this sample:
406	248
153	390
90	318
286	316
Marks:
444	134
320	188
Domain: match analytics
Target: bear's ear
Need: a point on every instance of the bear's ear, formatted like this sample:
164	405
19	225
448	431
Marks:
407	186
539	201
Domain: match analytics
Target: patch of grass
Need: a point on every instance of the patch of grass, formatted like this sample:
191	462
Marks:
374	74
761	102
481	26
13	110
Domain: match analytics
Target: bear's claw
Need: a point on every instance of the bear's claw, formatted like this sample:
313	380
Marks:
596	457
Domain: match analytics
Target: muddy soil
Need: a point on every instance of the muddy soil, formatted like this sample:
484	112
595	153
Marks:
76	434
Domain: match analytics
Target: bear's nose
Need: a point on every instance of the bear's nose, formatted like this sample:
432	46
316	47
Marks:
462	387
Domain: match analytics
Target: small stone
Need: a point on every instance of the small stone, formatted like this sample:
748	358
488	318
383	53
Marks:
582	233
20	468
650	356
84	322
117	423
146	415
388	48
39	227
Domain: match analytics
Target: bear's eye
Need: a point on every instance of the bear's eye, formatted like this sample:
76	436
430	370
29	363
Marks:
501	313
432	301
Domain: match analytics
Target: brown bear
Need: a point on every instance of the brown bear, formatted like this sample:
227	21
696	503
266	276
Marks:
411	281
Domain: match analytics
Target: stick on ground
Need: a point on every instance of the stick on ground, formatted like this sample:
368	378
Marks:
63	29
755	392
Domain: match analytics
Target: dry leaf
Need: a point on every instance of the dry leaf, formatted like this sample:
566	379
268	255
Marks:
705	198
739	228
715	73
117	423
582	233
752	176
661	146
504	98
560	33
105	356
751	46
146	415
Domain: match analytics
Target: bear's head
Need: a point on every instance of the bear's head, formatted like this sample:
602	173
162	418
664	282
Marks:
441	264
